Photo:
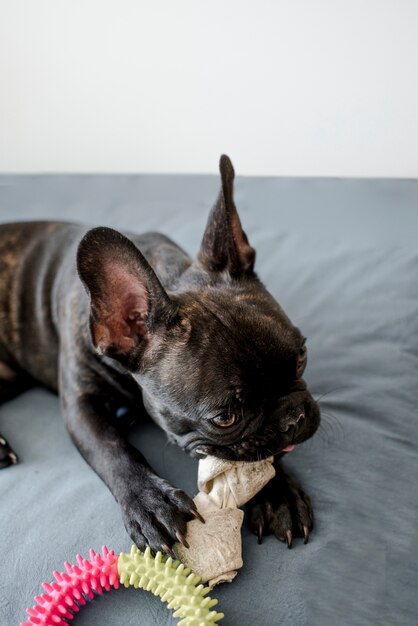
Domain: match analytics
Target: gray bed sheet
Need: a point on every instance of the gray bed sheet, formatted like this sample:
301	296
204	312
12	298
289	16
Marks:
341	256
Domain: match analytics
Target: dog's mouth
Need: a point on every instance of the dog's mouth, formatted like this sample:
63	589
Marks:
224	452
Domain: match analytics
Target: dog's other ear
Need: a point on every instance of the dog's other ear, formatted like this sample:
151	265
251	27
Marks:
127	299
225	245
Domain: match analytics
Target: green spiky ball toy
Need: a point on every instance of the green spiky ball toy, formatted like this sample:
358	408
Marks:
172	582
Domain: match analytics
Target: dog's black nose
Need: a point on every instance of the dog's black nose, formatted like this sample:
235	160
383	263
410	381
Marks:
293	419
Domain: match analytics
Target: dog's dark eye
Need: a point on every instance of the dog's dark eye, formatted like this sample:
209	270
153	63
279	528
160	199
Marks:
224	421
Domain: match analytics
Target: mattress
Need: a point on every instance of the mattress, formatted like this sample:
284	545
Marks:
341	258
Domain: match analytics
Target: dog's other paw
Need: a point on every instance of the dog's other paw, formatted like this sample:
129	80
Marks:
281	508
7	456
156	515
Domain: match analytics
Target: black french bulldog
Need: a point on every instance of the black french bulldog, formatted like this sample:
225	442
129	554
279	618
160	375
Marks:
201	346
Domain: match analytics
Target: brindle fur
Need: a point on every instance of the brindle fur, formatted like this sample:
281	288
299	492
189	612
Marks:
217	342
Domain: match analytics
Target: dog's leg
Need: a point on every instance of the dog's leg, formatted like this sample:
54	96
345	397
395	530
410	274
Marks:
11	385
281	508
154	512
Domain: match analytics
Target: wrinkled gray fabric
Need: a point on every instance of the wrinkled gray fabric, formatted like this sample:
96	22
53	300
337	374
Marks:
341	256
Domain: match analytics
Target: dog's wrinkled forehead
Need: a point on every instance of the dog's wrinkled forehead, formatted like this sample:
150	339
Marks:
248	319
240	343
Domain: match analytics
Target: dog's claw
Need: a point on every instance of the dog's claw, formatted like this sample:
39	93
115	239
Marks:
260	533
197	515
166	548
306	534
289	538
7	455
182	539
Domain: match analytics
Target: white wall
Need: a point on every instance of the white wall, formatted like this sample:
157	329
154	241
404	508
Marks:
298	87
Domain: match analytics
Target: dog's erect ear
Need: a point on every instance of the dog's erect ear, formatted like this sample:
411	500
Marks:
225	245
127	299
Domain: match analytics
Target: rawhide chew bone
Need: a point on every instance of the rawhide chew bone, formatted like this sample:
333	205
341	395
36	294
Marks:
215	551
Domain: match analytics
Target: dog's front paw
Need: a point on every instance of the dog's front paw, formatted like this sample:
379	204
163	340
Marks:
281	508
156	515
